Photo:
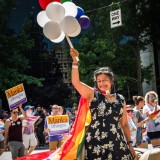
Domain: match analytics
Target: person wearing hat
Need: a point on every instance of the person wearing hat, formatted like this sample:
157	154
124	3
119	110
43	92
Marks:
29	138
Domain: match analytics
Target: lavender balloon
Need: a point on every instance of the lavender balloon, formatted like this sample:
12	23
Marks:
84	22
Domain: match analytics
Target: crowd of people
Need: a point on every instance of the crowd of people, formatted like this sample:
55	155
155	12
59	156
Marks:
22	137
114	130
142	126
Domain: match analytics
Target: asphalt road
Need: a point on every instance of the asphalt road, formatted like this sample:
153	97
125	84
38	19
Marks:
7	154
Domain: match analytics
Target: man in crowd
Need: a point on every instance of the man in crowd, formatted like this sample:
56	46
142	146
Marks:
39	127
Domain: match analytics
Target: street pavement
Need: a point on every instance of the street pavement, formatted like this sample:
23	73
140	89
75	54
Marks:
7	154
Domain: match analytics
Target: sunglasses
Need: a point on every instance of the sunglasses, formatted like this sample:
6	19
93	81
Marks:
152	98
129	111
15	112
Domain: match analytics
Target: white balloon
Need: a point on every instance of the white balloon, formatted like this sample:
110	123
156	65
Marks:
59	39
55	11
69	25
52	30
77	32
70	9
42	18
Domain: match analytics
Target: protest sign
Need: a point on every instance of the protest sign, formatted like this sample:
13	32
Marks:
30	119
58	124
16	96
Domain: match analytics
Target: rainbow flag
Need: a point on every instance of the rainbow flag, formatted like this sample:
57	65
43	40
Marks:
72	147
36	156
156	117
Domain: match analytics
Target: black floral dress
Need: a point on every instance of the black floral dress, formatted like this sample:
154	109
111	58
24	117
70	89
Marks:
104	138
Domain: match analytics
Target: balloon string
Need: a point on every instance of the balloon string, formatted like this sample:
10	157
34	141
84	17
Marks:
71	45
69	41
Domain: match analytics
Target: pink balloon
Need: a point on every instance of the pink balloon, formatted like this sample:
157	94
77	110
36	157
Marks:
84	22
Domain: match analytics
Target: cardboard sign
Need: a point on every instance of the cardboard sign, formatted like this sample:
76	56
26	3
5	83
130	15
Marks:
58	124
30	119
16	96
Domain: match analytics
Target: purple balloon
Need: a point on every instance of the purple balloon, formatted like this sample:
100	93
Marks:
84	22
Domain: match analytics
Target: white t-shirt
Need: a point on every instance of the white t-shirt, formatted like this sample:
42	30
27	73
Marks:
150	125
133	133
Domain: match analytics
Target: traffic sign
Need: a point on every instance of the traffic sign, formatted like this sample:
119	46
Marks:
115	18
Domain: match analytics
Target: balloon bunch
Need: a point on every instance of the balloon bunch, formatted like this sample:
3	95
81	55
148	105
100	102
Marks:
61	18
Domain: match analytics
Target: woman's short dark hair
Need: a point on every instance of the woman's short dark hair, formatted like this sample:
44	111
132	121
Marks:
107	71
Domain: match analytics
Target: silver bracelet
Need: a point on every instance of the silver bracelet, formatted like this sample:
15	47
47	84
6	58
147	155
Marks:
74	66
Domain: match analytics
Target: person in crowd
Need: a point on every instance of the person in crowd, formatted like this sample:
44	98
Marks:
104	137
13	132
68	112
45	112
71	122
132	126
55	141
61	110
5	115
29	138
151	106
1	137
139	121
75	112
75	106
39	127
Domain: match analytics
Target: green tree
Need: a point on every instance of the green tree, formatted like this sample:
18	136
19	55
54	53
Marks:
13	63
102	46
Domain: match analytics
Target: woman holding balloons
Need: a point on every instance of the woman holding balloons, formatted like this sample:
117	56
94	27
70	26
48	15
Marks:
104	137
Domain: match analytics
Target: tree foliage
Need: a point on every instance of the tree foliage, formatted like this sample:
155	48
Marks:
119	48
13	63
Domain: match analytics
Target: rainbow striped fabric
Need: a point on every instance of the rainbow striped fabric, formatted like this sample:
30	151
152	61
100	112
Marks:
156	117
72	148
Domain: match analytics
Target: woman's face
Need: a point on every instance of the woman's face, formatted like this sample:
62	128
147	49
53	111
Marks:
14	112
129	112
152	100
142	103
103	82
55	110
